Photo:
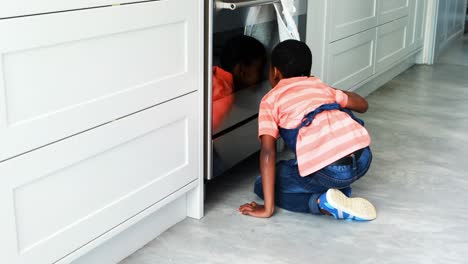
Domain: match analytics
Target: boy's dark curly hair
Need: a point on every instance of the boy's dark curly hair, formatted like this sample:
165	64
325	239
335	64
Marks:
292	58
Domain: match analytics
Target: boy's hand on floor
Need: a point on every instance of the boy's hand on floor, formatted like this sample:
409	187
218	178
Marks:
254	209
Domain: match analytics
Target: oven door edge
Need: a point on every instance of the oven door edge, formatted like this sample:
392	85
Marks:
208	60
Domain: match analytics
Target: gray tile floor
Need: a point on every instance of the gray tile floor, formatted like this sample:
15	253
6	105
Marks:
418	182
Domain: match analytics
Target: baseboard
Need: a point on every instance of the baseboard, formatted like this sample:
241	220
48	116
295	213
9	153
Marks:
368	86
138	235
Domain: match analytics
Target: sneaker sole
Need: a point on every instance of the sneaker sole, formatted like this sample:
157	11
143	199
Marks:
358	207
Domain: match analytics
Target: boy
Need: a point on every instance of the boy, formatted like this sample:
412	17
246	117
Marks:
241	65
331	145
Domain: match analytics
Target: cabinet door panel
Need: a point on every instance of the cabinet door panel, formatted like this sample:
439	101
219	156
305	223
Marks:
56	199
347	18
65	73
351	60
391	43
390	10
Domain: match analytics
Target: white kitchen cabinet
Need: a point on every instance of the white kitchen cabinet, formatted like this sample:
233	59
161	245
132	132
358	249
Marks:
347	17
390	10
351	60
391	43
59	198
362	44
68	72
101	121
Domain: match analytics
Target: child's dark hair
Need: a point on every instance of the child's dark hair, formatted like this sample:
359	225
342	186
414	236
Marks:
241	50
292	58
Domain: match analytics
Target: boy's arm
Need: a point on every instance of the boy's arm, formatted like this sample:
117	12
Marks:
267	169
356	102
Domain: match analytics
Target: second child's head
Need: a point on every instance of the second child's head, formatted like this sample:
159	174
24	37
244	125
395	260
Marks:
290	58
244	57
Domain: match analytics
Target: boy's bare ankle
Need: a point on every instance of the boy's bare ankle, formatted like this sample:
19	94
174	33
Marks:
321	210
325	212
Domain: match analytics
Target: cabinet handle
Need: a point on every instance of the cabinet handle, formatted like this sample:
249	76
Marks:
233	6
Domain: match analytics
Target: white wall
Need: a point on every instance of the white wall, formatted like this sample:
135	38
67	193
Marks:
450	23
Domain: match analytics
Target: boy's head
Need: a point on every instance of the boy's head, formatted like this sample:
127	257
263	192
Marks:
245	58
290	58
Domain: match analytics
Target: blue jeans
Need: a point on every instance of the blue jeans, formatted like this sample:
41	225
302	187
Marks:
300	194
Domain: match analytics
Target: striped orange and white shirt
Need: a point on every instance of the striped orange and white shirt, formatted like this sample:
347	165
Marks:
332	134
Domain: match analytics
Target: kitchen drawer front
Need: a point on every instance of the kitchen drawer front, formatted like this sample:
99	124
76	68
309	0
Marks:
235	146
390	10
391	43
58	198
351	60
15	8
64	73
347	17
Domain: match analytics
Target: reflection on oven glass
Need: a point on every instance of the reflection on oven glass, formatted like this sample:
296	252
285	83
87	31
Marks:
241	65
237	91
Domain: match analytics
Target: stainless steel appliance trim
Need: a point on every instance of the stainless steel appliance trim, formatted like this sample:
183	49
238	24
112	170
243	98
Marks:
234	5
208	89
